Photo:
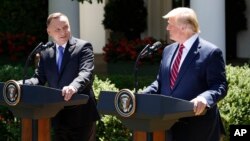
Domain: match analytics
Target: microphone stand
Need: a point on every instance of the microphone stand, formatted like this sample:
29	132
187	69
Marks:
141	55
145	51
34	51
34	121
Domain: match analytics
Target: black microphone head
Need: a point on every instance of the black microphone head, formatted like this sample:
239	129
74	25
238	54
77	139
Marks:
48	44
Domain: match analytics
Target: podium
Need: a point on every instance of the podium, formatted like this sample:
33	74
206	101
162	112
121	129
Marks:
36	105
154	114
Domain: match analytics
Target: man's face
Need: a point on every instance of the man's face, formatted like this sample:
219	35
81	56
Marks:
59	30
174	29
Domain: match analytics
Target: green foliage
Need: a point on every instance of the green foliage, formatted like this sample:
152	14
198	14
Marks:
8	72
126	16
22	24
235	107
102	85
111	129
9	125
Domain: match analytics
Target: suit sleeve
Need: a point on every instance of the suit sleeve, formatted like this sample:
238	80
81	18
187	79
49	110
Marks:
153	88
86	67
216	78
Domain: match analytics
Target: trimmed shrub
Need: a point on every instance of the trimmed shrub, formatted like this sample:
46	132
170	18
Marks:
109	128
235	107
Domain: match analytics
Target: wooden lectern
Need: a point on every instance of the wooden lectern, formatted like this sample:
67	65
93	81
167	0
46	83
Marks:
36	106
153	115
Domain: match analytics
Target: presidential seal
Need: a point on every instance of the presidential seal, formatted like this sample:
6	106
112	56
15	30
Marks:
125	103
11	92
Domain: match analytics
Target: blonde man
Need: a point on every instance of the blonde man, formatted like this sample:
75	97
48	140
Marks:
192	69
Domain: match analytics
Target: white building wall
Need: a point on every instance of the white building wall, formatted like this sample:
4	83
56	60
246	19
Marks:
211	16
243	38
91	27
156	24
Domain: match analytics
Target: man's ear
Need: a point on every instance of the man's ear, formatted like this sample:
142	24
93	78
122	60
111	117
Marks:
48	31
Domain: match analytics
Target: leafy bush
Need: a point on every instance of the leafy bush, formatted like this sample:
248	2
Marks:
128	17
10	127
109	128
22	24
101	85
16	46
8	72
235	107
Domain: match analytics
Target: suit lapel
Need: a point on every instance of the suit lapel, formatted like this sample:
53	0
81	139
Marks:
52	54
187	61
67	53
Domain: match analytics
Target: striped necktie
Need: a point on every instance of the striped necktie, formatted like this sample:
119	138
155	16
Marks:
175	67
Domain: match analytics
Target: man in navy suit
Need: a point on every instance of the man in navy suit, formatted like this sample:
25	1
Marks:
75	75
199	78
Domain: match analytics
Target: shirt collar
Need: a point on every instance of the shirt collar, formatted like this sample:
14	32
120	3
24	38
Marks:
64	45
188	43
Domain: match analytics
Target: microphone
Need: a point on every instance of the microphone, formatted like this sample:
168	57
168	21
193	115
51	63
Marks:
148	50
37	49
155	46
41	47
47	45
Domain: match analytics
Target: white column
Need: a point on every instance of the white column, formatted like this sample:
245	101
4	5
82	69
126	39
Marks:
70	9
156	24
91	28
211	16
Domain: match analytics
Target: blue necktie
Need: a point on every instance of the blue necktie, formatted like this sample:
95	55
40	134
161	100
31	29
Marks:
60	56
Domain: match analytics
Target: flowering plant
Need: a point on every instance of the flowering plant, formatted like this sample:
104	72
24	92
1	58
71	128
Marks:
128	50
16	46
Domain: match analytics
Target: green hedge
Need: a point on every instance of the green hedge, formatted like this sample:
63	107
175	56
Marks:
234	108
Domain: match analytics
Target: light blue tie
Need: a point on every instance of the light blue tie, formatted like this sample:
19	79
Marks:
60	56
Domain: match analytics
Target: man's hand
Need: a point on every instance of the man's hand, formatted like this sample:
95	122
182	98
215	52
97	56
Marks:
67	92
200	105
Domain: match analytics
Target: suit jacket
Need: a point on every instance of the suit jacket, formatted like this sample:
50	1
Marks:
76	70
202	74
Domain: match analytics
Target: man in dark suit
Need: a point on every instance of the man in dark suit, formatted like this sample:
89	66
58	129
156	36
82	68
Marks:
197	74
75	75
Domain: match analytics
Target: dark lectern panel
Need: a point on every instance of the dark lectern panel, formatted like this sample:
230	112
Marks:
35	112
148	125
40	102
160	106
106	103
40	95
153	111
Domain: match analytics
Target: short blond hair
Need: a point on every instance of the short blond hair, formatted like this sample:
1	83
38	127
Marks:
185	15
